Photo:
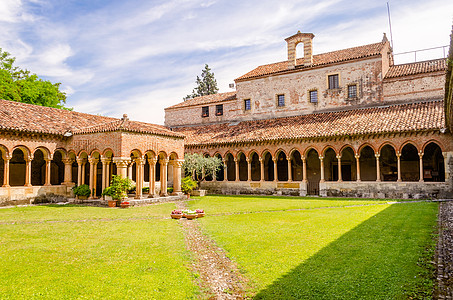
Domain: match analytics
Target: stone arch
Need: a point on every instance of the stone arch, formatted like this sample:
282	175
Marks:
264	152
433	163
268	164
307	150
282	166
95	152
17	166
57	167
242	165
74	166
410	162
323	151
220	174
359	150
330	162
439	144
348	164
38	167
313	171
4	153
95	156
82	158
413	143
255	166
231	166
107	152
367	162
46	152
296	165
276	153
388	162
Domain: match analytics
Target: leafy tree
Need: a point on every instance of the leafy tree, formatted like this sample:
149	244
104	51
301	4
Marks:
207	85
200	166
22	86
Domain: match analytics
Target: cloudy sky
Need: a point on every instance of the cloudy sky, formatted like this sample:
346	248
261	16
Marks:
138	57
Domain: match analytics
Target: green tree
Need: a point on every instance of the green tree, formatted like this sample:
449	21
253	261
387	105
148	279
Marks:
207	85
22	86
200	166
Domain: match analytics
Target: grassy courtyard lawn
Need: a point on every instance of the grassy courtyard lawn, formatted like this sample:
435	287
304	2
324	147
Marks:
101	254
368	252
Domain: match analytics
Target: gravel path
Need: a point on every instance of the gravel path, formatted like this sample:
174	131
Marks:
219	276
444	253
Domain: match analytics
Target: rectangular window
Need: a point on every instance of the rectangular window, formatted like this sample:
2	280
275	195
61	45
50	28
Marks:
205	111
352	91
333	82
280	100
314	96
247	104
219	110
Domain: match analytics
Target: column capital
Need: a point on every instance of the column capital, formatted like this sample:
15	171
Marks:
47	159
248	160
321	157
105	160
28	158
152	161
398	155
164	161
121	161
260	159
235	160
178	163
93	160
377	155
7	157
338	156
420	154
67	161
80	160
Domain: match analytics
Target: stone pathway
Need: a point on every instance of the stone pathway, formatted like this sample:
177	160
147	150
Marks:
219	276
444	253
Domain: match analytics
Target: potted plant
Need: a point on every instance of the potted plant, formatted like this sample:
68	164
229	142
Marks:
108	193
176	214
187	185
125	204
82	192
191	214
200	213
119	186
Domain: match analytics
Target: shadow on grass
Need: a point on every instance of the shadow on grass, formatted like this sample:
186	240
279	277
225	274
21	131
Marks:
376	260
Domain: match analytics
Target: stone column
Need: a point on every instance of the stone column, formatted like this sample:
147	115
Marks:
152	176
225	172
357	159
67	171
261	169
378	167
290	174
249	169
28	170
236	169
177	176
6	160
420	154
93	168
304	168
129	170
339	168
214	175
139	163
398	158
321	160
163	176
105	172
275	169
79	171
83	171
48	165
121	165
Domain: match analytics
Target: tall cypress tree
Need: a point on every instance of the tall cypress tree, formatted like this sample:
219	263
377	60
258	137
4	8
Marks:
207	85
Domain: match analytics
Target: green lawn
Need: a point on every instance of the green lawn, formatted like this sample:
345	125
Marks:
288	248
116	254
368	252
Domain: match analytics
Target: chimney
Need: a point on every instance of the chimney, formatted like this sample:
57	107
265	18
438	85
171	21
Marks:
292	41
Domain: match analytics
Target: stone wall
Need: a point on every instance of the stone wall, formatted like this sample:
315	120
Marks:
415	87
257	187
25	195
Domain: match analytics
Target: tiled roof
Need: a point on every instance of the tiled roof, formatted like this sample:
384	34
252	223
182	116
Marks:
417	68
394	118
214	98
318	60
39	119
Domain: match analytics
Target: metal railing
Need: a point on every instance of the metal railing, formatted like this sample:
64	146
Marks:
424	50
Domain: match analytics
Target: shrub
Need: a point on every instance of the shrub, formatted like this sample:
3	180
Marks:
82	190
188	184
145	189
108	191
169	190
120	186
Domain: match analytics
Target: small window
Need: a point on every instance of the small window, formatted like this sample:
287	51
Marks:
280	100
247	104
314	96
219	110
205	111
333	82
352	91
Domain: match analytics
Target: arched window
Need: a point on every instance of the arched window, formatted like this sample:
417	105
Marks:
433	163
282	167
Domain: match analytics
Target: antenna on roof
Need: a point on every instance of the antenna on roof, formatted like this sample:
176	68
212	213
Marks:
390	24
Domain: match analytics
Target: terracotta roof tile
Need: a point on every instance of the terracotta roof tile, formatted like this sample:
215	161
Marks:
417	68
214	98
318	60
395	118
40	119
